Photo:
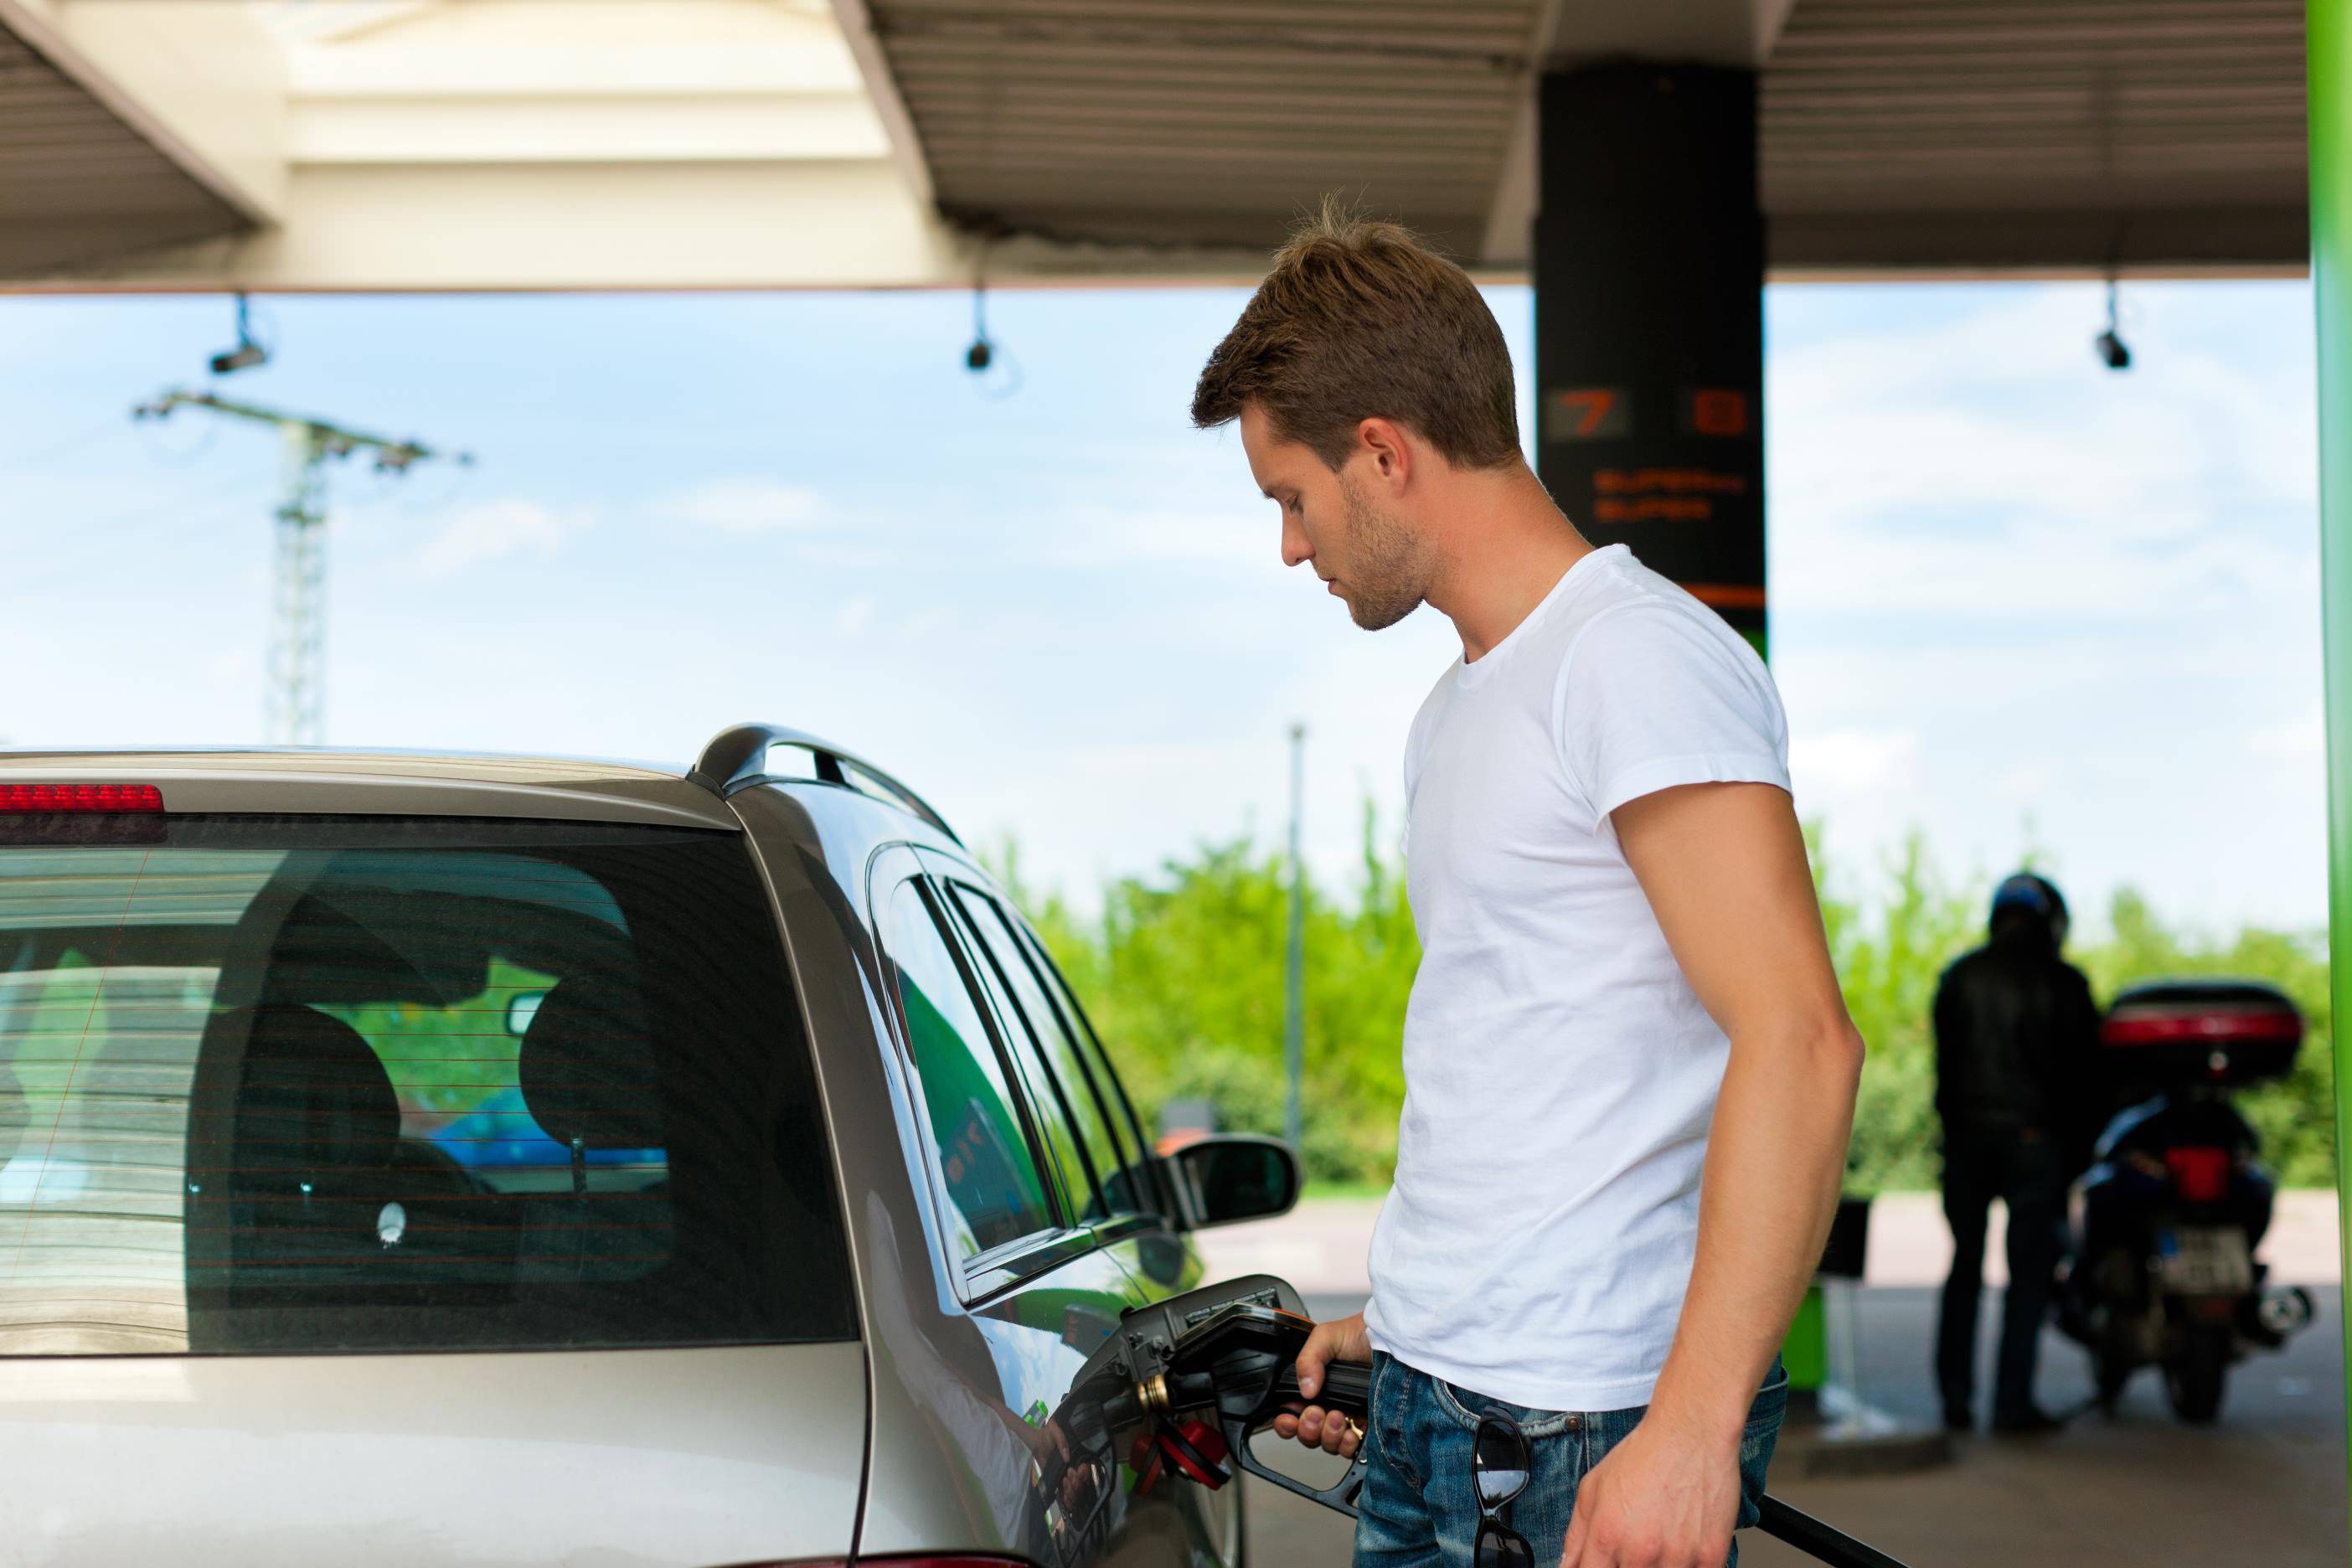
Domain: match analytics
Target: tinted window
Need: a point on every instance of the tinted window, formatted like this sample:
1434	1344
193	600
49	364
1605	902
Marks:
978	1138
1135	1181
1049	1104
1080	1091
320	1084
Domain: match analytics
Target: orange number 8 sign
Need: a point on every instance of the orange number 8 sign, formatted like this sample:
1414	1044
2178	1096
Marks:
1718	411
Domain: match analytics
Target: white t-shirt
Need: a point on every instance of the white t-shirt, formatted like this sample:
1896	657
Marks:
1560	1072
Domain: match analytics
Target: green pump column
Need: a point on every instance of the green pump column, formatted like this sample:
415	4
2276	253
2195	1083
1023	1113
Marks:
2329	49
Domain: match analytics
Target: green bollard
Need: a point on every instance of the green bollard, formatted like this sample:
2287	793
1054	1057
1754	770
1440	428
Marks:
1806	1351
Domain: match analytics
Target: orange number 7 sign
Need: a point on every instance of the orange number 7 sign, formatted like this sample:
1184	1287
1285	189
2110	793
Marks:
1588	414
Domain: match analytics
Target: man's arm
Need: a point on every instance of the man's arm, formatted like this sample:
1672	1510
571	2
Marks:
1723	868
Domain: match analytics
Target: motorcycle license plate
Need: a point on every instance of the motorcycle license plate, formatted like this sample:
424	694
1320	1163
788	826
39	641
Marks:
2206	1260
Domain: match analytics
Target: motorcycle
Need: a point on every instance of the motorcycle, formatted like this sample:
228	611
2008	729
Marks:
2163	1270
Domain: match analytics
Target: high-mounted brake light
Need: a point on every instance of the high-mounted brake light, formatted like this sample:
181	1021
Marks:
44	798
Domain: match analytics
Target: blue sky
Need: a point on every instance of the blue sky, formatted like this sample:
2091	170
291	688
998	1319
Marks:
2018	600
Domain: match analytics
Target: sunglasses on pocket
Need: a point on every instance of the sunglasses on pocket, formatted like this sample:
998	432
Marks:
1500	1460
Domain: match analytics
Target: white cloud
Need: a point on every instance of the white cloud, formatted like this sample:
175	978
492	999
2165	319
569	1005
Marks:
1990	463
2302	740
746	506
232	667
1849	761
1180	760
855	614
492	531
2022	783
1096	537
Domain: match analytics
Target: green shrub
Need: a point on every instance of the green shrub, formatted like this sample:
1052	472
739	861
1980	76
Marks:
1183	974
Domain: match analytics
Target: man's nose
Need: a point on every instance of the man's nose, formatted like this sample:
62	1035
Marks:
1294	548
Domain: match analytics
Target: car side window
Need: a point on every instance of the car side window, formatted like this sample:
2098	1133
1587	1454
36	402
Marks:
1137	1151
1055	1100
1115	1150
985	1152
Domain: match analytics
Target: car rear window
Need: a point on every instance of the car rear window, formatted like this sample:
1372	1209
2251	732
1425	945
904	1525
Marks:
319	1084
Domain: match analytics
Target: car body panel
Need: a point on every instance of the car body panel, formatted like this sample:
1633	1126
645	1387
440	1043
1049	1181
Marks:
388	783
652	1458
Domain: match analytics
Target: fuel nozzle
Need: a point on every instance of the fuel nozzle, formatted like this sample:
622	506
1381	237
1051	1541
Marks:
1226	1377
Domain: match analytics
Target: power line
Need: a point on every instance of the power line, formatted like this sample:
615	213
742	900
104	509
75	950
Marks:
181	507
73	443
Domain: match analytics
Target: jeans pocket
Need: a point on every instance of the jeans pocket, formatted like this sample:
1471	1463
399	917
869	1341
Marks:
1466	1405
1771	1401
1384	1424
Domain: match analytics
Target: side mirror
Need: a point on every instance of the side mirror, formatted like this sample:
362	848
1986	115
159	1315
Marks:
1233	1176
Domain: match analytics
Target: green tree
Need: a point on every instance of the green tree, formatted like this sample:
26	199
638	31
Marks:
1183	973
1888	959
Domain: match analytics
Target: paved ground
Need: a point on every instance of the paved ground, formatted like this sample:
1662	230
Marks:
2265	1486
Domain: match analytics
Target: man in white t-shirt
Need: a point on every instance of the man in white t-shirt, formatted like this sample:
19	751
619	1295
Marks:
1628	1073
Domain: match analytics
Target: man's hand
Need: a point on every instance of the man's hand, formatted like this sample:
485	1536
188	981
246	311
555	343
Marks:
1341	1338
1660	1499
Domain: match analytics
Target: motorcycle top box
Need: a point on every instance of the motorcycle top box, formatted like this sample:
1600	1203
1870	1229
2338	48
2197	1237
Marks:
2217	1033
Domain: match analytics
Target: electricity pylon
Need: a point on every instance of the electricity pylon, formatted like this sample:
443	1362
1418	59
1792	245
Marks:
295	703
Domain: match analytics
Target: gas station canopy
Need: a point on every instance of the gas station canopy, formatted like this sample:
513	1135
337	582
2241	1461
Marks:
1894	134
674	144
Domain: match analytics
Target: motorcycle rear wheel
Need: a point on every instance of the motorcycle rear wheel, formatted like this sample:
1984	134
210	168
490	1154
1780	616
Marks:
2195	1380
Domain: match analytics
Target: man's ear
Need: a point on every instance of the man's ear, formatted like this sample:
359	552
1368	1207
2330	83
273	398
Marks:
1388	450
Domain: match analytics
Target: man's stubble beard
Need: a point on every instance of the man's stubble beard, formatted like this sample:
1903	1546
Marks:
1388	565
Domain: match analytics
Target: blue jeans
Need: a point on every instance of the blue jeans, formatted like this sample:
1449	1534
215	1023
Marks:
1419	1505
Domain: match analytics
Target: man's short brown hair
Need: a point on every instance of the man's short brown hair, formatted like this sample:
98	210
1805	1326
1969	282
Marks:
1358	320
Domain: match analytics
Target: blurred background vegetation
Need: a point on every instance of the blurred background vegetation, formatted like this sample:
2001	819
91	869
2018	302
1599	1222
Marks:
1183	971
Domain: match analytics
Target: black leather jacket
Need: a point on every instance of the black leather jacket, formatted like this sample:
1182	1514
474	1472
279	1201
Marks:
2017	1038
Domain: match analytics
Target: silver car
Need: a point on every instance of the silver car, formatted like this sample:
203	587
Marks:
420	1160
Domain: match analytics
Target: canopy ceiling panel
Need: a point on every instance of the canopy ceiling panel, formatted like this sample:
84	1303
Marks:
1897	135
76	182
1902	133
1209	123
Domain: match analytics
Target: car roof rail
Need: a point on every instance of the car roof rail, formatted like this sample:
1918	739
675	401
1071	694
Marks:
736	757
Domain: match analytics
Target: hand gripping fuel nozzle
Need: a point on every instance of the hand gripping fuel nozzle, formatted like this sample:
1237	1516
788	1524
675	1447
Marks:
1198	1376
1224	1377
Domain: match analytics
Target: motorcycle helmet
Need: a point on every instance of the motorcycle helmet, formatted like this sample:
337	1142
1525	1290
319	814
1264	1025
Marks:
2030	902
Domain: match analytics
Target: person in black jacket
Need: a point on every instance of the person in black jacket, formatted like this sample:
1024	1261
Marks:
2015	1034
